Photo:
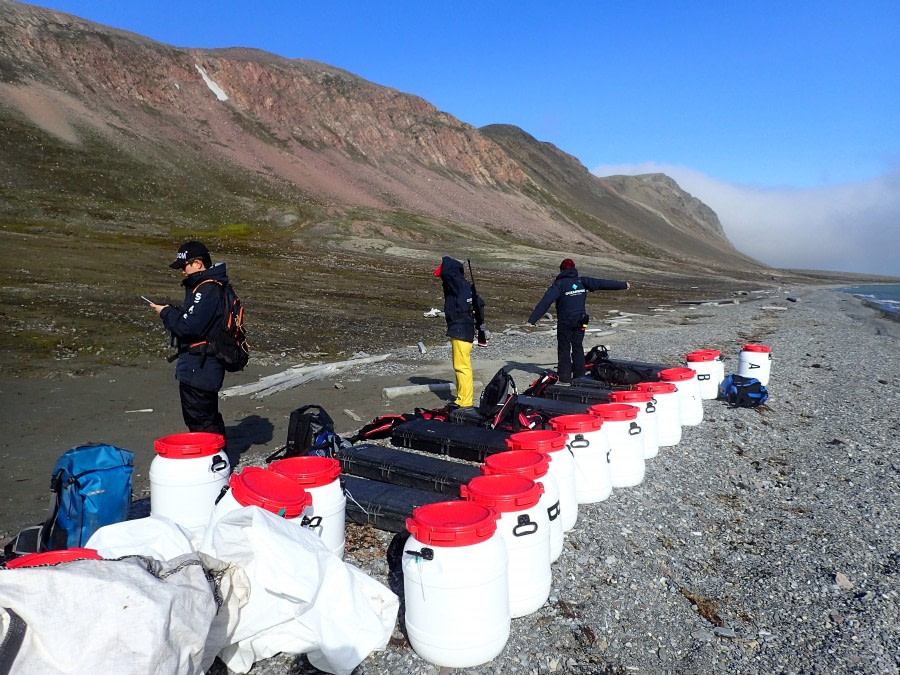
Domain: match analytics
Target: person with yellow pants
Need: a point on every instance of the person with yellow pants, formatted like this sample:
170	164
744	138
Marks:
460	316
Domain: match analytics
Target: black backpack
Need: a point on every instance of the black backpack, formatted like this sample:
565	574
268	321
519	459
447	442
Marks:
743	392
618	372
229	343
496	392
310	432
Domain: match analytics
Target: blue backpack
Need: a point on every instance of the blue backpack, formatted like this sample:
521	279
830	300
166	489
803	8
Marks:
91	487
743	392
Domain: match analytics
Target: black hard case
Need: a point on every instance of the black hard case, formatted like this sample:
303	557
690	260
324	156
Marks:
472	444
407	469
383	505
577	394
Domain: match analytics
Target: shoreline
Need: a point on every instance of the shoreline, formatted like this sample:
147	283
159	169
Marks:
779	521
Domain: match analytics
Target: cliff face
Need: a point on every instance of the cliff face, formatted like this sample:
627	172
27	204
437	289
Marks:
109	125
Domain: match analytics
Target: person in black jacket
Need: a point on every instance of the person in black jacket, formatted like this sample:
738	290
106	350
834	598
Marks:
200	374
569	291
460	316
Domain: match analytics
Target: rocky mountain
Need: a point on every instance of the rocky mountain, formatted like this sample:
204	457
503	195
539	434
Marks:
111	129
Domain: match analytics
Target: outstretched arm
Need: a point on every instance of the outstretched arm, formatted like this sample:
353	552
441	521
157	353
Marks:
593	284
549	298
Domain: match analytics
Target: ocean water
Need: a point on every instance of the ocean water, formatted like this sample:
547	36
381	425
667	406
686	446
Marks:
886	296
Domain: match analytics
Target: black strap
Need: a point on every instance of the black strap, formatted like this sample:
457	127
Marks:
12	641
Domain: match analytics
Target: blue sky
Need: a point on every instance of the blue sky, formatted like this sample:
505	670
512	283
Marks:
783	116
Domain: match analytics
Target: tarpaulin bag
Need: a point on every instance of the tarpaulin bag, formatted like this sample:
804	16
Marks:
743	392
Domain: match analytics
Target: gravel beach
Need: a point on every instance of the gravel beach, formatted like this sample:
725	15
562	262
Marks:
768	540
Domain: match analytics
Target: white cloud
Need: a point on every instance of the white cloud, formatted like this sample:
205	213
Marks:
853	227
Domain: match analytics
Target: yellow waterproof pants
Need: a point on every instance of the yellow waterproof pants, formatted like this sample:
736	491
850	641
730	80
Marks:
462	365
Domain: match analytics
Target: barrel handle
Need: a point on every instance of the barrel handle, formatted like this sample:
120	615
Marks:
634	429
311	522
579	442
218	463
222	492
703	376
424	553
553	511
525	526
651	406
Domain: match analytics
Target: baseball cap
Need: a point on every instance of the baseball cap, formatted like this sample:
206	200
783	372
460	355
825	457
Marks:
188	251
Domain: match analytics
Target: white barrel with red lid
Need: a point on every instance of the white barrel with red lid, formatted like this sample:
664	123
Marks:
755	361
710	369
647	417
690	405
536	466
456	584
626	447
255	486
589	446
525	527
562	466
327	515
187	475
668	413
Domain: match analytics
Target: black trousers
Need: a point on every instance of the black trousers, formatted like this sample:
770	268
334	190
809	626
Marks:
200	409
569	351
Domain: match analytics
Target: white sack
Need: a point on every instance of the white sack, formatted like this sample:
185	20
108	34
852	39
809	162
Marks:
133	615
156	537
303	599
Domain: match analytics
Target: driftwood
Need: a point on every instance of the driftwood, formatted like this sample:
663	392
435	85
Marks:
297	375
724	301
394	392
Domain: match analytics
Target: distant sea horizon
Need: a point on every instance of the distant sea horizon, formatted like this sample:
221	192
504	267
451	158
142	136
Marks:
884	296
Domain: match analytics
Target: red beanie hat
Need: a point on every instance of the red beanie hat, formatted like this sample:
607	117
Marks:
437	270
567	264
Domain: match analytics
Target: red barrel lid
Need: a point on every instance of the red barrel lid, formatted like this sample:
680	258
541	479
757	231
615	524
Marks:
539	440
309	470
756	348
635	396
456	523
503	492
576	423
526	463
53	557
255	486
677	374
614	412
702	355
656	387
189	445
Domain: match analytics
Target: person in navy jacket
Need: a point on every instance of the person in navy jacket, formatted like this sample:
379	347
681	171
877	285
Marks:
569	291
200	374
460	317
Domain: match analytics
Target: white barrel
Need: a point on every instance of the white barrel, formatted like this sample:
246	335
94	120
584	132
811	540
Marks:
626	447
710	369
647	417
456	584
525	527
186	477
562	467
589	446
668	411
536	466
255	486
755	361
690	405
327	515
